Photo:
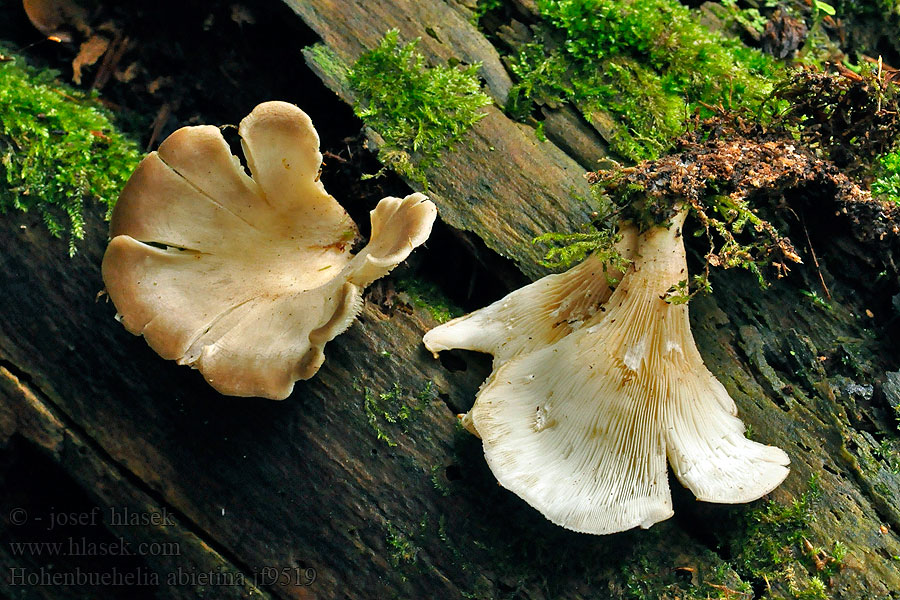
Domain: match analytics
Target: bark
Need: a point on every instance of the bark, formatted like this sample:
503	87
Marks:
362	477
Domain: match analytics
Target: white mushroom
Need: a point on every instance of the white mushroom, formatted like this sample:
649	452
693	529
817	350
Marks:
245	278
581	427
534	316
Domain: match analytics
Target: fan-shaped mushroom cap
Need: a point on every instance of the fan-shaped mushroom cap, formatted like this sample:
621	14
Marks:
581	428
536	315
53	17
245	278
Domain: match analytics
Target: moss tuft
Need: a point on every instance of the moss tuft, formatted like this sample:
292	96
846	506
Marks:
395	407
59	150
420	111
567	249
401	549
773	536
724	174
646	64
427	295
774	551
887	184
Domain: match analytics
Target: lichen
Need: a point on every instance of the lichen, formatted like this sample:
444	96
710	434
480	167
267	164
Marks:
419	111
647	64
59	150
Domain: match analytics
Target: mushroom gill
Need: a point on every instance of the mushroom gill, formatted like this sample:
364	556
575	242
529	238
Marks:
581	426
247	278
536	315
533	316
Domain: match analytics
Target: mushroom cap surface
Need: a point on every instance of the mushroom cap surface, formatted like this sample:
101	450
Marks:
53	17
246	278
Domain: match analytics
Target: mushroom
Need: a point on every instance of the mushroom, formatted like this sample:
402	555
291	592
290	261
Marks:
519	324
247	278
54	17
580	426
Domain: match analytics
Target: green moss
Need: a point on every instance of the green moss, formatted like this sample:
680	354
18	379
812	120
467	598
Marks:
59	151
747	17
323	59
887	183
420	111
647	579
394	408
888	451
401	549
773	536
567	249
773	550
817	300
437	480
426	295
646	64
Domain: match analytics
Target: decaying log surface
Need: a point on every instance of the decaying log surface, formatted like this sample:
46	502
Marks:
362	477
503	168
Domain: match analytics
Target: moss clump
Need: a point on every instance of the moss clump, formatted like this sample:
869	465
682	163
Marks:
773	536
773	551
568	249
427	295
887	184
420	111
402	550
394	407
651	575
724	173
647	64
59	150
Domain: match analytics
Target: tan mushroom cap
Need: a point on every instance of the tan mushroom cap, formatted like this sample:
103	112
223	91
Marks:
245	278
581	428
52	17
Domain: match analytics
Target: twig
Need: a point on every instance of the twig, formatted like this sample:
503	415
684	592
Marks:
336	157
162	115
111	61
815	260
727	590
